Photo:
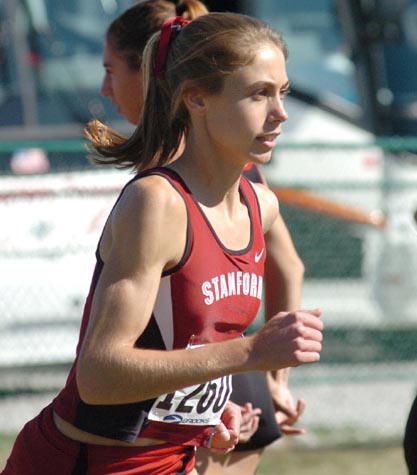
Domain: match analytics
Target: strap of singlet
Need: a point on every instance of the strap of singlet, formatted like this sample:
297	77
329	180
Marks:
252	198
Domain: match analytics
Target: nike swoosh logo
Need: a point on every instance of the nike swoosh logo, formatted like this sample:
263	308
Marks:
258	256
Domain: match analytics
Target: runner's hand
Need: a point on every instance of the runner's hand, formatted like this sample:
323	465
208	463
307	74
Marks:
286	412
226	434
250	422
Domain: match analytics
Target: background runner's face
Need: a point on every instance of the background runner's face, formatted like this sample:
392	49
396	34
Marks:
122	85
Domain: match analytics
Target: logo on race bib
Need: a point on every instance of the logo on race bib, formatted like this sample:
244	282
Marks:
177	419
173	418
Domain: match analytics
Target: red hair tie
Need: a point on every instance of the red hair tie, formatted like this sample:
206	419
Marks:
165	40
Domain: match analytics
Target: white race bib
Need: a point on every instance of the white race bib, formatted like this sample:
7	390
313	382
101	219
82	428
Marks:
201	404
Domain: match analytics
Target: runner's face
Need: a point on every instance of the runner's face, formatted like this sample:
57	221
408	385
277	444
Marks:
244	120
122	85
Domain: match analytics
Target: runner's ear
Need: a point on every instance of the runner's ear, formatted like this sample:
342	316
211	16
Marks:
193	99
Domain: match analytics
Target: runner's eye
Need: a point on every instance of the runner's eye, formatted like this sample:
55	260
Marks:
260	94
285	92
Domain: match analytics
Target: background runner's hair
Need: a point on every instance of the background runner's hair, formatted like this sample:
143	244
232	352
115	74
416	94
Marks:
129	33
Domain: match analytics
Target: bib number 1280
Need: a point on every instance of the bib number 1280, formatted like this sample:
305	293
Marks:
212	395
200	404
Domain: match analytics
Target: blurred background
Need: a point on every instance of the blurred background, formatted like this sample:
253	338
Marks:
345	171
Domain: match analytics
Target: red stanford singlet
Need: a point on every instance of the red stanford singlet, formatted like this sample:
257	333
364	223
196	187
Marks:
212	295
